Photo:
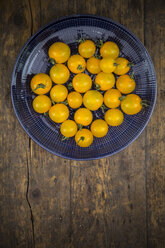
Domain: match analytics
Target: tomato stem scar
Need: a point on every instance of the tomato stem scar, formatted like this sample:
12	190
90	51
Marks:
100	43
64	138
132	75
52	61
40	86
130	64
79	67
122	98
70	86
97	87
103	107
144	103
80	126
65	102
81	138
81	41
53	102
97	56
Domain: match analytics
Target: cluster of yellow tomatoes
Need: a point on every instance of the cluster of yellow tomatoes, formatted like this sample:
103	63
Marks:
81	90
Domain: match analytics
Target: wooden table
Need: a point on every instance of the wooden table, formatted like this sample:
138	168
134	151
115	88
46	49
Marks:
50	202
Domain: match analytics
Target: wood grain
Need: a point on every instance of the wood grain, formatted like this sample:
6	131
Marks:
108	196
50	202
49	188
15	227
155	135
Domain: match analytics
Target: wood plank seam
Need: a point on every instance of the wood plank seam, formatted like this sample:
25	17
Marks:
29	157
31	16
146	190
70	236
27	198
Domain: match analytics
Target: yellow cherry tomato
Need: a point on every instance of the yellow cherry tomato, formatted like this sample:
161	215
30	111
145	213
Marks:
59	51
83	116
59	113
87	48
93	100
59	74
131	104
105	81
114	117
41	83
58	93
111	98
82	82
107	64
125	84
74	99
41	104
122	67
93	65
109	48
99	128
68	128
84	138
76	64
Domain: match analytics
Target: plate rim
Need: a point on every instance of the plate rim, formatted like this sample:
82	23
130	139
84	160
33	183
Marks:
60	20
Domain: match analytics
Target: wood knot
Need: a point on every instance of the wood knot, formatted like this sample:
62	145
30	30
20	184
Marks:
19	20
162	94
36	193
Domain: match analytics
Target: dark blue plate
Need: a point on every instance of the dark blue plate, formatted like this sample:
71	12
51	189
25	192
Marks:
33	59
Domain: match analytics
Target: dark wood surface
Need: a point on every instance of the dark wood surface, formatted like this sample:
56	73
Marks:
50	202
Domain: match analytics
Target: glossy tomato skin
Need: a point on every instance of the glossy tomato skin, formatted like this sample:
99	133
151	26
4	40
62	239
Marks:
109	48
107	64
58	93
59	113
93	65
131	104
93	100
122	66
59	74
76	64
111	98
82	82
41	104
99	128
41	83
74	99
59	51
83	116
114	117
105	80
87	49
84	138
125	84
68	128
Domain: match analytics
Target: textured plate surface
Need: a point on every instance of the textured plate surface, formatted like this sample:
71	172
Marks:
33	59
